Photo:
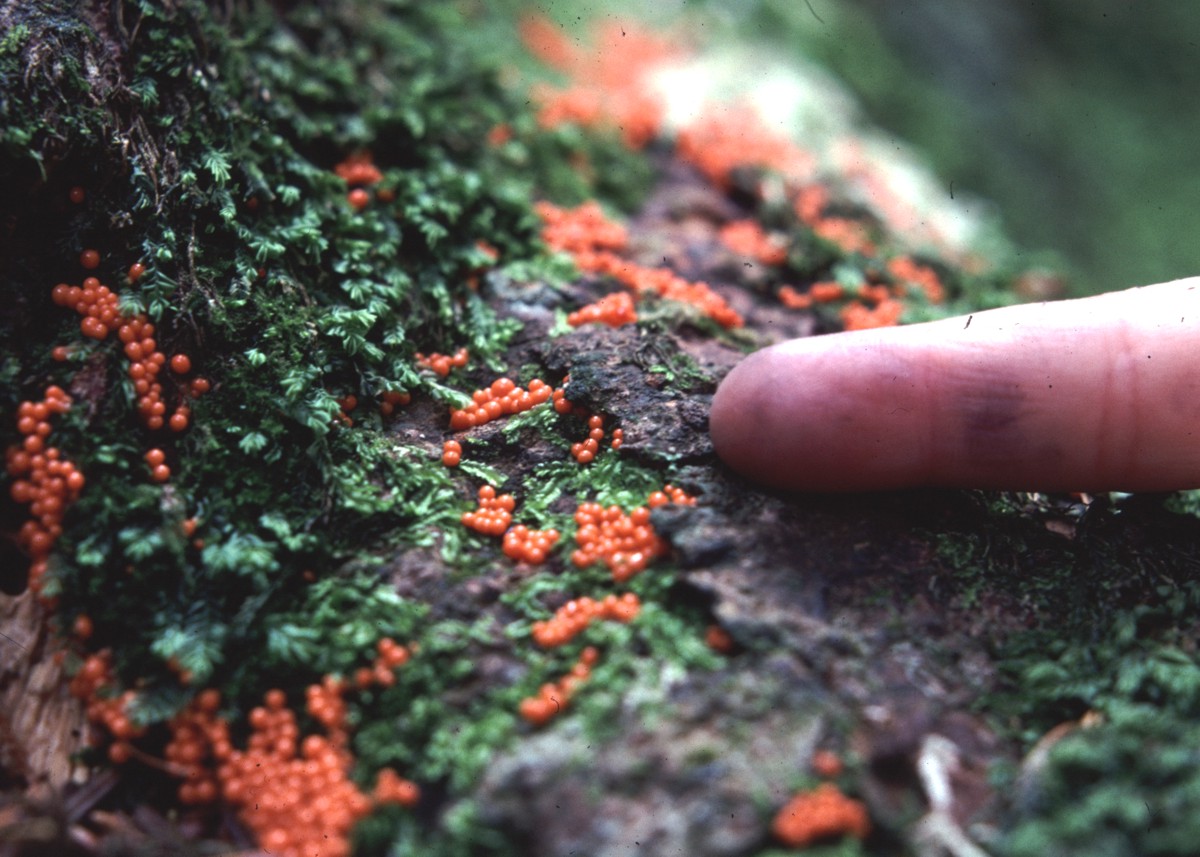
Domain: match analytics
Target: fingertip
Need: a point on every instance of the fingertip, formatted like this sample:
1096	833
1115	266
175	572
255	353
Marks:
736	405
837	413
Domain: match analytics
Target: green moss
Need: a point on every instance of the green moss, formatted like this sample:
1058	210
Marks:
1127	786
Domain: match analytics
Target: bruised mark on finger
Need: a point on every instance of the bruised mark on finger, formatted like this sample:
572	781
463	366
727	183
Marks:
989	411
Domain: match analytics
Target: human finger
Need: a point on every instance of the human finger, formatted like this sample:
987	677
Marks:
1095	394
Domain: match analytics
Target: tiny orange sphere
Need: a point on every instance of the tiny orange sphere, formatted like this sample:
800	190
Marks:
89	259
181	364
358	199
135	271
76	195
83	626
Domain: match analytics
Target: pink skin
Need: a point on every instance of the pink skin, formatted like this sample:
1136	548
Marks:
1096	394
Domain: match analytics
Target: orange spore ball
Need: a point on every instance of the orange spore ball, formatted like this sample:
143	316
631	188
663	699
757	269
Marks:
858	316
608	86
850	236
390	399
451	453
76	195
358	199
718	639
94	301
179	419
181	364
390	787
529	546
613	310
82	627
904	269
89	259
719	142
502	398
747	238
793	299
42	478
826	764
809	203
823	813
441	364
827	292
199	387
358	169
573	617
586	450
552	698
593	241
494	514
135	272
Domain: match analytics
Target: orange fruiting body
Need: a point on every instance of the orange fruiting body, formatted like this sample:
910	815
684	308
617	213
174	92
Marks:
573	617
494	514
822	813
358	169
613	310
502	398
552	697
592	239
42	478
747	238
527	545
441	364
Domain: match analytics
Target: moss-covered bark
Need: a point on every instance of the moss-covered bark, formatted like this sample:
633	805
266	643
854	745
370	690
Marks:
299	522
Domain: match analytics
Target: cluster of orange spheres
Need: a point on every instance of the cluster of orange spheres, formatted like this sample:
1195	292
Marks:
294	795
391	655
392	399
441	364
613	310
42	478
747	238
819	814
494	514
502	398
110	712
582	229
527	545
670	494
592	241
358	169
553	696
390	787
327	704
451	453
94	301
156	460
199	738
573	617
584	451
625	543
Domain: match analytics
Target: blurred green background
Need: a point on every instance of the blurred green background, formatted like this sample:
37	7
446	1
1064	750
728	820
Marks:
1077	118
